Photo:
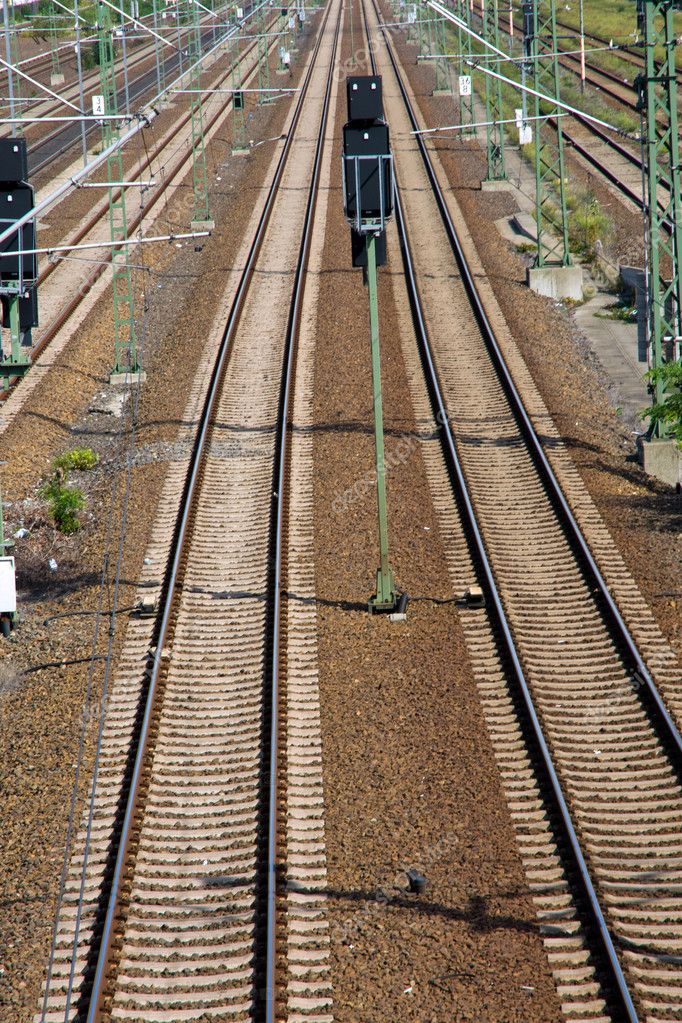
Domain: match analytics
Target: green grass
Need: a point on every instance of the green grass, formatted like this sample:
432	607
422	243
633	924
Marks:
669	411
63	500
64	503
610	19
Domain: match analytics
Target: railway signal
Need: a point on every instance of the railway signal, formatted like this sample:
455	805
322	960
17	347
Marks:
18	268
368	203
657	88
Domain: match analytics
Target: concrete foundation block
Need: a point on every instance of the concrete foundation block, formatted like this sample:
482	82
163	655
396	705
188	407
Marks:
57	80
662	459
442	92
127	379
557	281
203	225
241	151
496	186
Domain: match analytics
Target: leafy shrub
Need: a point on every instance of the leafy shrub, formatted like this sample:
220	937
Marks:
81	459
668	411
64	503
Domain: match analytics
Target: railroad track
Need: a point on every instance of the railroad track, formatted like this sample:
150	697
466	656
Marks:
173	171
631	54
56	143
612	158
586	737
170	907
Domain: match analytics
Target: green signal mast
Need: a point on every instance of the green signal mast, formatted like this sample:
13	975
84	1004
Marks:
657	88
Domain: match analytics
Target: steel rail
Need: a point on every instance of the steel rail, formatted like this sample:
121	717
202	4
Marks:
180	543
532	439
138	87
604	170
623	50
62	317
657	710
632	56
618	147
281	464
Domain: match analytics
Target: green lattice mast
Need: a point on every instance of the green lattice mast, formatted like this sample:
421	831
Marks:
465	49
550	173
125	340
663	205
201	217
493	99
56	76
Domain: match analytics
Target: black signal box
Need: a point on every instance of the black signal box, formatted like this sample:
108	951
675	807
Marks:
14	203
238	100
28	309
370	174
365	102
13	161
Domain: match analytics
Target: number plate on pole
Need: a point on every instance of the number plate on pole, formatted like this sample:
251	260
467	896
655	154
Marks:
465	85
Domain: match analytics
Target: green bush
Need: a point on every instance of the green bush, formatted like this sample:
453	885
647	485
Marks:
587	222
64	503
81	459
668	411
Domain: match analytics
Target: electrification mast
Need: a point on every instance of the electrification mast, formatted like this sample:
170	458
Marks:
465	52
539	19
125	340
663	205
201	217
493	99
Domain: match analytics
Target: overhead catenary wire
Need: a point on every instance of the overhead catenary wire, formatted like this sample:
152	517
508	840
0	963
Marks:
479	124
39	85
474	64
490	59
142	119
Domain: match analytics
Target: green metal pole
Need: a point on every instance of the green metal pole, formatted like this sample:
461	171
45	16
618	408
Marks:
238	102
443	85
467	114
553	250
125	340
56	76
352	38
663	183
385	597
264	96
201	217
12	59
15	332
5	549
493	101
2	528
18	361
